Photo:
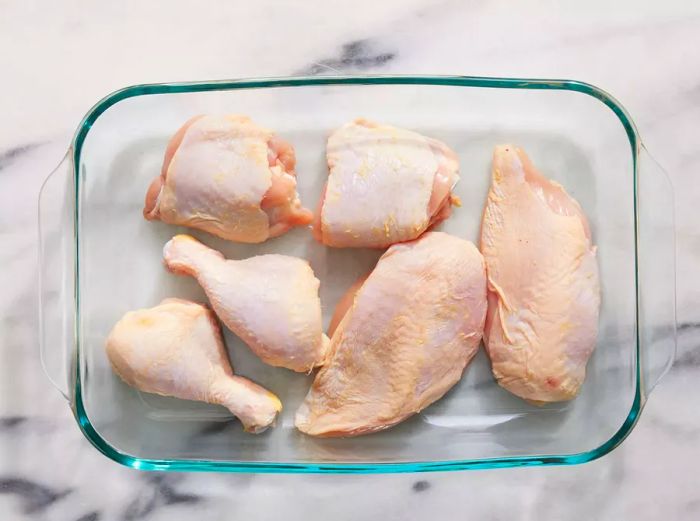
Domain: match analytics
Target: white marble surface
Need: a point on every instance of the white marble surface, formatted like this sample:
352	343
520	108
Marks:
57	59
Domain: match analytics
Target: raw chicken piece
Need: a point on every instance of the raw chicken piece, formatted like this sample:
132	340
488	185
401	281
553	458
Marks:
404	340
176	349
270	301
544	294
385	185
229	177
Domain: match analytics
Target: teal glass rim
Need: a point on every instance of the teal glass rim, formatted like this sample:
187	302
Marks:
111	452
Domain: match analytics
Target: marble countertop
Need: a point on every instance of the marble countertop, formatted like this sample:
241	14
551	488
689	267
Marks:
60	58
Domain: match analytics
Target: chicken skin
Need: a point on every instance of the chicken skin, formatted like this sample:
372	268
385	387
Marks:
176	349
229	177
270	301
544	294
404	339
385	185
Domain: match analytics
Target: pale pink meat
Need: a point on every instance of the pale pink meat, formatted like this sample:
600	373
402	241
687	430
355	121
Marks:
385	185
544	294
401	338
176	349
229	177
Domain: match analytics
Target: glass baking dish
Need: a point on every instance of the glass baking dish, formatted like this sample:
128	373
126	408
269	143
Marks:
100	258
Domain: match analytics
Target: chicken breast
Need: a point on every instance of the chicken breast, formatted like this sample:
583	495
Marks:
176	349
406	335
229	177
385	185
544	294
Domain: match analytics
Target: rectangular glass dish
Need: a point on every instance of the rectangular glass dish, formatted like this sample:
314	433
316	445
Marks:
100	258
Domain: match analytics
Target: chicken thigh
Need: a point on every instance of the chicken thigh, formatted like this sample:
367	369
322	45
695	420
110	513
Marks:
385	185
270	301
544	294
404	339
229	177
176	349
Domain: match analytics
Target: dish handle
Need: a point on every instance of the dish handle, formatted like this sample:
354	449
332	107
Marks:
56	275
656	271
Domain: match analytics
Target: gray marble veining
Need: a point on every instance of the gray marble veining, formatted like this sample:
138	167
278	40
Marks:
358	55
62	60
